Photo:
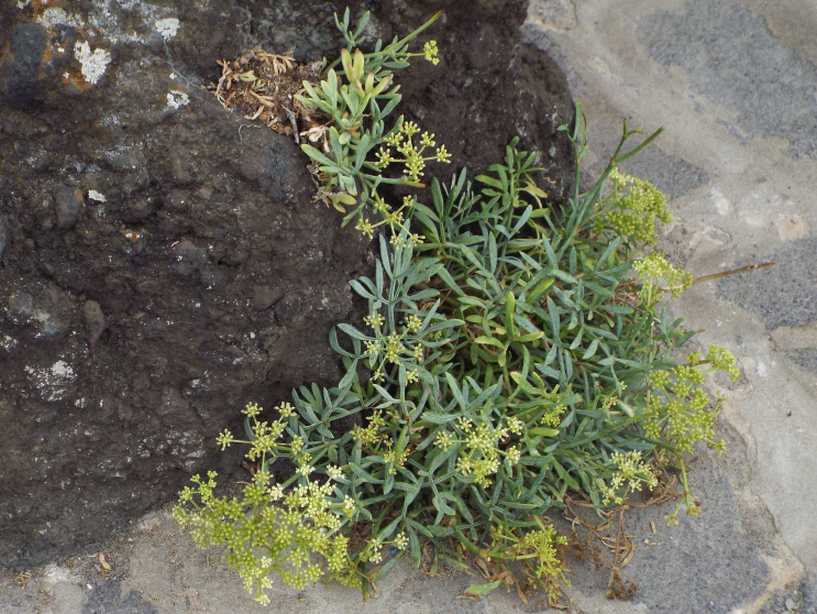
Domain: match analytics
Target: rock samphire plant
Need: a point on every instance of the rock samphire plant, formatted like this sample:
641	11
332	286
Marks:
514	353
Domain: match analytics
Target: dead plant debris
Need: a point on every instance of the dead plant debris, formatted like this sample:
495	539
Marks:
262	86
23	578
617	548
104	567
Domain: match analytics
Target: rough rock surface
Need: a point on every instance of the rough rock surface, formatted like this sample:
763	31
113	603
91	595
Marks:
489	86
162	261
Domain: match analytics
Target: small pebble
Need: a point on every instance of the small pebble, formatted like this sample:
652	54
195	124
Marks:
290	308
189	257
94	321
4	236
20	307
264	297
68	203
136	211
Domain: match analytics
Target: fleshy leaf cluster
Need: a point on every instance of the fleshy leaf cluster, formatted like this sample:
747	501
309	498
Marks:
512	354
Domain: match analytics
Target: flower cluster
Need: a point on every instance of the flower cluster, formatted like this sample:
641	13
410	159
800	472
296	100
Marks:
265	434
412	155
365	227
394	219
481	446
373	433
633	208
402	347
552	406
658	275
631	473
376	438
373	552
548	567
553	417
538	551
431	52
723	360
292	531
679	411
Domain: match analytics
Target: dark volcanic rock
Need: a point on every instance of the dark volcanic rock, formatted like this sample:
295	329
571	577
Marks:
68	205
160	264
94	321
4	237
488	87
18	77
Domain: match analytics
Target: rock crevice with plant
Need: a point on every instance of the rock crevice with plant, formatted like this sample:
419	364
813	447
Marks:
516	352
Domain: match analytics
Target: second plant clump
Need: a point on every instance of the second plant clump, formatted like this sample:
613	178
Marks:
513	353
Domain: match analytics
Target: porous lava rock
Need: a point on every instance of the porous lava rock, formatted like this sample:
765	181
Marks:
162	260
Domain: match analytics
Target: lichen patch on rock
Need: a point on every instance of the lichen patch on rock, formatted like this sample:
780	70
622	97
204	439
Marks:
52	382
56	16
176	100
97	196
167	27
94	63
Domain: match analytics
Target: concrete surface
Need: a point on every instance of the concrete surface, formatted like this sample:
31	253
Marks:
734	84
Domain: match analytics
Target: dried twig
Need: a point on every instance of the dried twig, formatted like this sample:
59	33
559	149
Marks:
743	269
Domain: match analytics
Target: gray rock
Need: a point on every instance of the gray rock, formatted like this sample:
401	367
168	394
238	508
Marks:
47	310
107	596
20	307
68	204
263	297
4	236
784	294
717	41
805	358
211	277
293	307
19	79
94	321
136	211
189	257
